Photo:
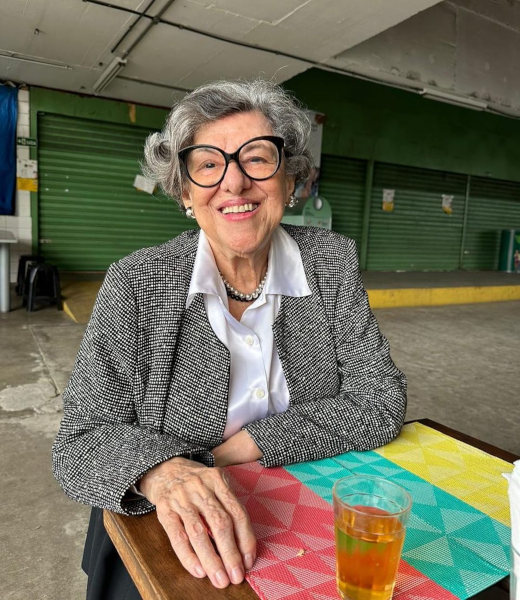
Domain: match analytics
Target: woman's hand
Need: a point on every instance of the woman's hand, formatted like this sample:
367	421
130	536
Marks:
187	496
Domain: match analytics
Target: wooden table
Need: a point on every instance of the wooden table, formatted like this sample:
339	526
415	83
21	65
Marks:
158	575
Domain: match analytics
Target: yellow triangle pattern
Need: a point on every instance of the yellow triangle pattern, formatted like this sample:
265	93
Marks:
467	473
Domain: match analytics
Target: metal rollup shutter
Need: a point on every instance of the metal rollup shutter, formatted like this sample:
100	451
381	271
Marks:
342	183
493	205
89	212
417	235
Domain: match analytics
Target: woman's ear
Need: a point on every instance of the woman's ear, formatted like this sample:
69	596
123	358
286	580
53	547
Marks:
290	186
186	199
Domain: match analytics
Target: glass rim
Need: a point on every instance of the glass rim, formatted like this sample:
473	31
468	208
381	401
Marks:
397	513
276	140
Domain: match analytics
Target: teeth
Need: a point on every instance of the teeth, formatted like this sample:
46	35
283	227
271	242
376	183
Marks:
238	209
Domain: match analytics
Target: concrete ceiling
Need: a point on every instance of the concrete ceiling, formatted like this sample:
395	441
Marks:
176	45
469	49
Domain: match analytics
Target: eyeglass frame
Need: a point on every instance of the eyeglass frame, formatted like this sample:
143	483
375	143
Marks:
275	139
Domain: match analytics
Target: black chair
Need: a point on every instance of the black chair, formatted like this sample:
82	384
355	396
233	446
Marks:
23	263
42	285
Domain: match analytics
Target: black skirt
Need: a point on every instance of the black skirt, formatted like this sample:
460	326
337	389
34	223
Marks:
108	578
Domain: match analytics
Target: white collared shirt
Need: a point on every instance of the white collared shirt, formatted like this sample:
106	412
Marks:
257	385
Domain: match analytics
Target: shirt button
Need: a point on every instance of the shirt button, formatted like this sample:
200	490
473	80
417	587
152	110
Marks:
259	393
249	340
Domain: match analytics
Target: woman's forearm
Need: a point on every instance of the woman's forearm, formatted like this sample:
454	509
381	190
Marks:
239	448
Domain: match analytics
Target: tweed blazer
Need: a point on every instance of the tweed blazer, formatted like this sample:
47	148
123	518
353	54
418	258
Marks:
151	378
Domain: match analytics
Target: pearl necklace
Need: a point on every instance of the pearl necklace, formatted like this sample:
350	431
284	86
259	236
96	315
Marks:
240	296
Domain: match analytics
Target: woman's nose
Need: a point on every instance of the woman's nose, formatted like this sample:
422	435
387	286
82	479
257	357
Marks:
235	180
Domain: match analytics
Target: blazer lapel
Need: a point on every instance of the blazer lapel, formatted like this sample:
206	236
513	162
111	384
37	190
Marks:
198	394
305	346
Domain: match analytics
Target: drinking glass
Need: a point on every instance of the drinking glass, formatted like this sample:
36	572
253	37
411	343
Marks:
370	516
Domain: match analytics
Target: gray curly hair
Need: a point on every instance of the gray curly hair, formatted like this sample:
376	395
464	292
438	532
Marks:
213	101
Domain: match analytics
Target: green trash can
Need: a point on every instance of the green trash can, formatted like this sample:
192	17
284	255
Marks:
509	259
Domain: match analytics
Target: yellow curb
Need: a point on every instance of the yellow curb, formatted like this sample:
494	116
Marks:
79	298
391	298
68	311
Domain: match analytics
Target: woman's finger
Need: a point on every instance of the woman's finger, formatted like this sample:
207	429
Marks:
192	503
221	526
245	538
179	541
212	563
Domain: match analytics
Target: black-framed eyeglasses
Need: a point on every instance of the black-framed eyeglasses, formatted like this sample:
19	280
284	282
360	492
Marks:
258	158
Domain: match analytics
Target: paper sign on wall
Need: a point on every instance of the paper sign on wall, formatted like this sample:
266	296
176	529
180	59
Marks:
26	168
23	184
447	204
388	200
144	184
26	175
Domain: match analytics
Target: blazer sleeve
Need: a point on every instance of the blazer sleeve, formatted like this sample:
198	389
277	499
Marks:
101	450
368	410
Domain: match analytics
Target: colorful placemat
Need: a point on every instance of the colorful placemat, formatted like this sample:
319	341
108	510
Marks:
466	472
457	542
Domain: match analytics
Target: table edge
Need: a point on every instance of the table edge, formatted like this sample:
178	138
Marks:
468	439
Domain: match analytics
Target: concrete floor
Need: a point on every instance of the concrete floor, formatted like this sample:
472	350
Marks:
42	531
462	367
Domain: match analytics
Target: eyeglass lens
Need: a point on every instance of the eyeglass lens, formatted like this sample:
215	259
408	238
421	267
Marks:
259	159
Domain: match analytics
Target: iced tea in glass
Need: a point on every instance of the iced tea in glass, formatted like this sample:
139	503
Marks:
370	515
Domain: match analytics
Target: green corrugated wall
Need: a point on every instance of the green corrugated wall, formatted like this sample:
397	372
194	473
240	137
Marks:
89	212
493	206
417	235
342	183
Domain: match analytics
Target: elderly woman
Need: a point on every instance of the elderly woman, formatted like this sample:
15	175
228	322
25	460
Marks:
238	342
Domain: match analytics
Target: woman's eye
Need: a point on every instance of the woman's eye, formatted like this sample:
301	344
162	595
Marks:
256	159
206	165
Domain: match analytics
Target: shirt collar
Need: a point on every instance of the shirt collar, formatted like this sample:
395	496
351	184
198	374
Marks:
205	278
285	272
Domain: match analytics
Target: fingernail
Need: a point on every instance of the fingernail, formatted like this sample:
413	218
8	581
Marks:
199	571
248	561
237	575
221	578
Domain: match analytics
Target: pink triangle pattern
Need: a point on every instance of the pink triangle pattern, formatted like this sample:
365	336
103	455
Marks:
295	540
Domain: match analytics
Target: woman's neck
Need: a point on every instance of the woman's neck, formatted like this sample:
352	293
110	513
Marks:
245	272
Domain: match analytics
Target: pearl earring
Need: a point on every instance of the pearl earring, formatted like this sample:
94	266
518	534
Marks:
189	213
293	201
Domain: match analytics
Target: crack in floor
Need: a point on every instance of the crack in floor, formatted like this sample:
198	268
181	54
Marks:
44	362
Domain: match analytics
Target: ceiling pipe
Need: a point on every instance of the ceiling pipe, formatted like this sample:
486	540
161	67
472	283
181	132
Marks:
454	99
109	74
155	20
119	62
33	59
155	84
121	39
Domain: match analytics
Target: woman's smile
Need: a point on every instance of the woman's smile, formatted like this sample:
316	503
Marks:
238	210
